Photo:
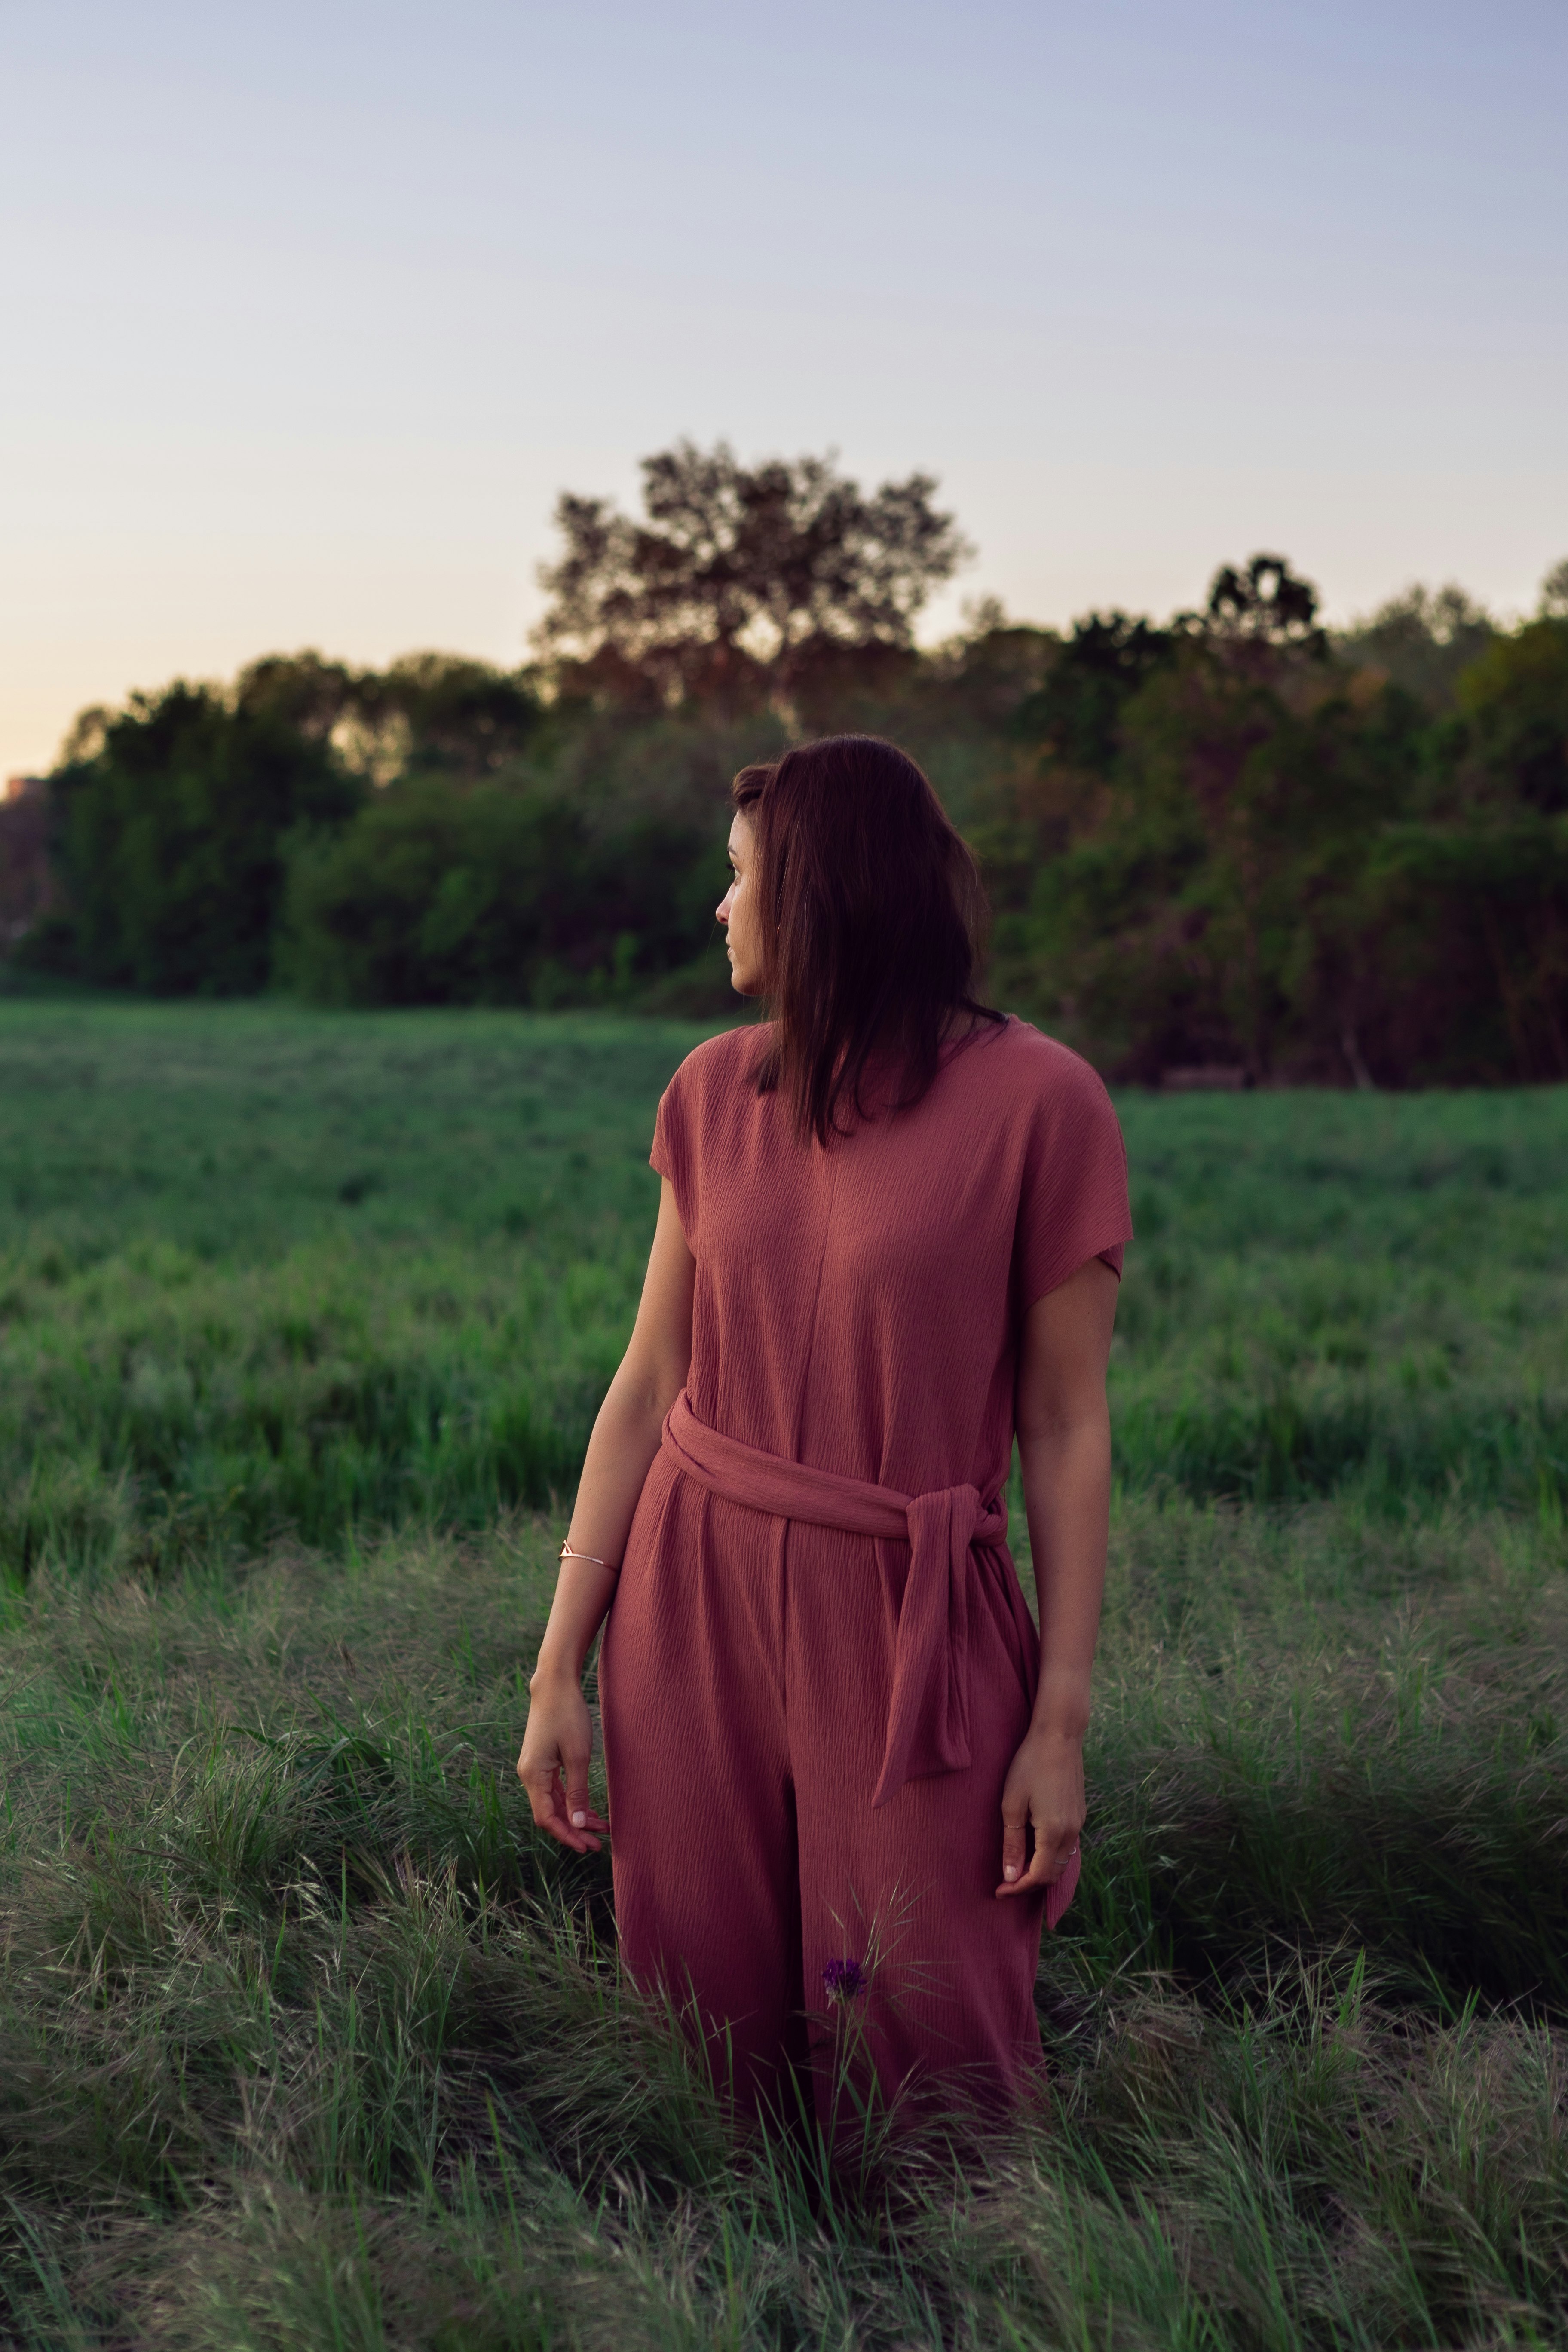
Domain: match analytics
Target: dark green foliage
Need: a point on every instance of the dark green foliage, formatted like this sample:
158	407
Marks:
495	896
1207	903
427	713
1225	842
1514	704
1076	716
1265	860
1471	918
463	719
172	841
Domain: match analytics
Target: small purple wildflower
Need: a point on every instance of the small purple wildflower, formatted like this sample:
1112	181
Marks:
844	1979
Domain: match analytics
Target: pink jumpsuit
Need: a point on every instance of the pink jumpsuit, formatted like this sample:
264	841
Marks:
806	1725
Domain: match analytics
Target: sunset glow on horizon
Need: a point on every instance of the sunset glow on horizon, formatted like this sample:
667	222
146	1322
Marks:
311	317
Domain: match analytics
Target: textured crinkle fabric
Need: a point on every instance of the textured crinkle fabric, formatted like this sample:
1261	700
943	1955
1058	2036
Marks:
856	1311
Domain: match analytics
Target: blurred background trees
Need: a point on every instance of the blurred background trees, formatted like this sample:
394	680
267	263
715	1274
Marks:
1227	838
172	824
740	581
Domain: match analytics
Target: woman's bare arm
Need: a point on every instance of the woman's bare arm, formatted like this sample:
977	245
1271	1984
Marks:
553	1765
1064	1448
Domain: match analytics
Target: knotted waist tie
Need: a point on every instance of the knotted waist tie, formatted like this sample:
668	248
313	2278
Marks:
928	1715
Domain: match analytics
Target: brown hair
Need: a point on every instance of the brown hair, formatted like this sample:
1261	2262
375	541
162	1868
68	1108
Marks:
872	910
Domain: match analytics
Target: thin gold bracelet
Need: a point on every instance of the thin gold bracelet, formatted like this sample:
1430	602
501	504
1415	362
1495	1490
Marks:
612	1566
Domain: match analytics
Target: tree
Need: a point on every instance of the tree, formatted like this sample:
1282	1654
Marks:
739	577
433	712
455	718
1555	593
1077	713
1421	639
1470	919
1263	604
1204	798
172	839
1195	914
300	692
493	895
1513	703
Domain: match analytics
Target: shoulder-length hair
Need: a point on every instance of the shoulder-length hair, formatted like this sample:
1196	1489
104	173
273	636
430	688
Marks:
872	912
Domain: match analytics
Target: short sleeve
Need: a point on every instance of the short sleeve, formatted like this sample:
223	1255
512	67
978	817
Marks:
1072	1203
671	1154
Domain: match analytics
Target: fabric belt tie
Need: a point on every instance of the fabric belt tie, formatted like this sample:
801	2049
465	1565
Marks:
928	1715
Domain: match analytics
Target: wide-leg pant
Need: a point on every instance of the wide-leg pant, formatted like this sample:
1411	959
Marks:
745	1681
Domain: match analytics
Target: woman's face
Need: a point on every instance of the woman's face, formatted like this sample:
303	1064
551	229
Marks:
737	910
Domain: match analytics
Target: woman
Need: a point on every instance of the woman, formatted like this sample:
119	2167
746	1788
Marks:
889	1233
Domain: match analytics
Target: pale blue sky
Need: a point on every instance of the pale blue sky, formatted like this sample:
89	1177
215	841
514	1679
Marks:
309	311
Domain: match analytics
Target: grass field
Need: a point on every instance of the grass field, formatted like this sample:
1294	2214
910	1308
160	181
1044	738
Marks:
304	2041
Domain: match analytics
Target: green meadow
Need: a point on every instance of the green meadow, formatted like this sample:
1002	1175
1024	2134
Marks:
306	2040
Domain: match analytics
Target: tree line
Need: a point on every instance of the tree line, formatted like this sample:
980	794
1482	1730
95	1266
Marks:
1225	839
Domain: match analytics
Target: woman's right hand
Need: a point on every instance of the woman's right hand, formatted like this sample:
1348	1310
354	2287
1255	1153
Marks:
553	1765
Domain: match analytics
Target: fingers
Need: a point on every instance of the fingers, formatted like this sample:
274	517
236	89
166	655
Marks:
1054	1849
563	1813
1043	1791
569	1826
1015	1819
577	1807
1046	1865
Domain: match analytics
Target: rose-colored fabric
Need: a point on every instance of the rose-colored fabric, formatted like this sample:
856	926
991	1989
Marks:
928	1721
818	1664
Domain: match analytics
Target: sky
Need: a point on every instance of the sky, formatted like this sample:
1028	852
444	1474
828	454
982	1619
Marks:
308	313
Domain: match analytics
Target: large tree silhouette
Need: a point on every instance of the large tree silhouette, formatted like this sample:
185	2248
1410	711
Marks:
1265	603
738	577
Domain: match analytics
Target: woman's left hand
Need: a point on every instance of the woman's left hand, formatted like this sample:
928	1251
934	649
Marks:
1044	1789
